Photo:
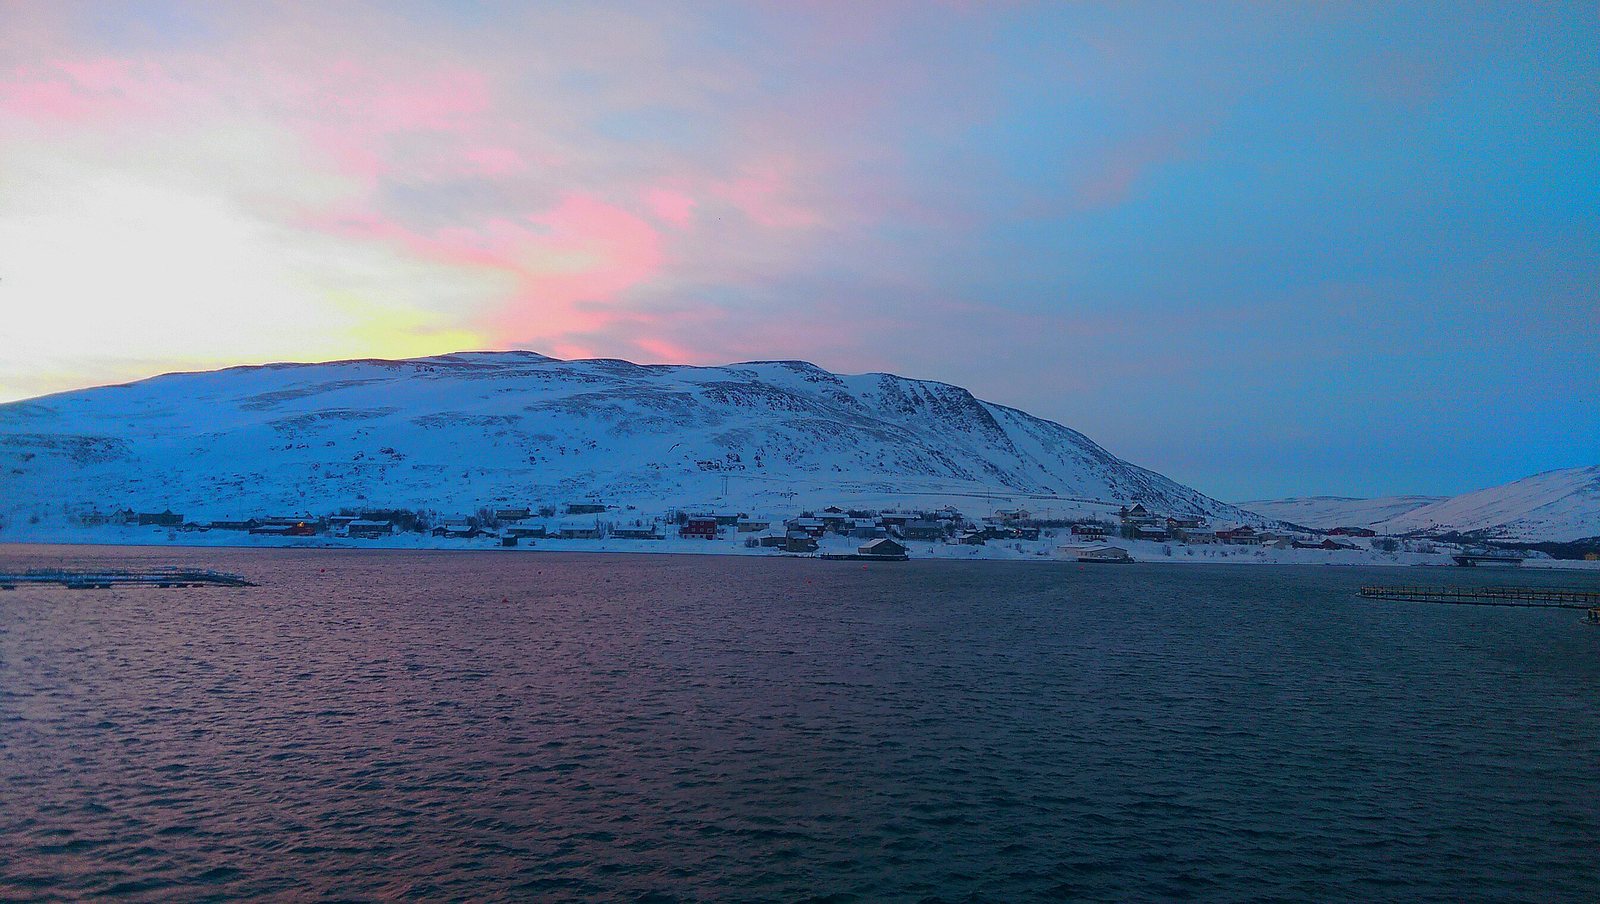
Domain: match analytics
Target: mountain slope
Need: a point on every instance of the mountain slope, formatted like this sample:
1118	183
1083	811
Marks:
1556	506
1326	512
456	432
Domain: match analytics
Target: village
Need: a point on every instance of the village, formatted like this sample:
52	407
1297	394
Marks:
1126	534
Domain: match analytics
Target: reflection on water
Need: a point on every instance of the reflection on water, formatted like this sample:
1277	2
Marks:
682	727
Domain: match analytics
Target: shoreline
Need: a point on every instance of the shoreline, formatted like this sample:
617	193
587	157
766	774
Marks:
1142	552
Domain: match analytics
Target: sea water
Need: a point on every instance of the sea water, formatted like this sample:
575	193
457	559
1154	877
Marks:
533	725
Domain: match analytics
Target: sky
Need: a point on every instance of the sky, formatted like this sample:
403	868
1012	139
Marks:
1265	249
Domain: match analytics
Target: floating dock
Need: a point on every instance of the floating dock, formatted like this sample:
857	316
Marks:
1530	597
103	580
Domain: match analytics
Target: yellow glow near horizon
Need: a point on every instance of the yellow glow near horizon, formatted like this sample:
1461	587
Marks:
123	257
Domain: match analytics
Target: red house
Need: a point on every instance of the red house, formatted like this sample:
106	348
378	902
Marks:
699	529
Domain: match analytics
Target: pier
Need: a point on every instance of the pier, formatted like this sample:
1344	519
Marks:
1528	597
103	580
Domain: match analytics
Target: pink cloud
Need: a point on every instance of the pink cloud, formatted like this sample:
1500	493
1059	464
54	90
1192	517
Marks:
672	206
1126	164
765	194
85	90
571	263
494	160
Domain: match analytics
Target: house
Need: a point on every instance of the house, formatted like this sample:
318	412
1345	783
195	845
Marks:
234	525
1325	544
512	514
457	531
1091	530
578	529
160	519
1175	524
585	508
834	521
727	520
278	527
701	528
751	526
1244	535
527	532
1352	532
337	523
1138	514
971	537
773	541
799	541
899	519
811	526
866	529
1197	536
884	548
1097	553
637	532
1157	532
1011	515
922	530
369	530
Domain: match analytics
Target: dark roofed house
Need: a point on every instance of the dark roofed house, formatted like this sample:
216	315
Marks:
922	530
280	527
799	541
884	548
369	530
160	519
1151	532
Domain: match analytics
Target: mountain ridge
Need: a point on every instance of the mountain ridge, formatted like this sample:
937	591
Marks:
1560	505
453	432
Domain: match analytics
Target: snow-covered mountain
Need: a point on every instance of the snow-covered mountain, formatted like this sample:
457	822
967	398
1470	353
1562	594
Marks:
1325	512
1556	506
456	432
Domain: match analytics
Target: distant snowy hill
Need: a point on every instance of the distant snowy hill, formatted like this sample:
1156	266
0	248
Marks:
1556	506
1559	506
1326	512
456	432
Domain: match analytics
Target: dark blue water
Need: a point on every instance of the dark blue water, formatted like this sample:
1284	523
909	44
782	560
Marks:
541	726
